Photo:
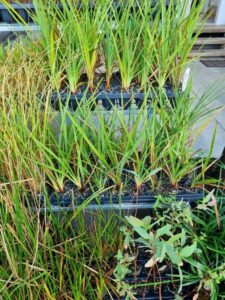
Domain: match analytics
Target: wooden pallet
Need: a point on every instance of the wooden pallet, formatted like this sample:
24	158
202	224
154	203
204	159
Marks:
211	42
212	28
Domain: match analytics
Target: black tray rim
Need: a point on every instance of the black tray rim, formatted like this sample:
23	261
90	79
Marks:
117	203
32	6
107	96
17	6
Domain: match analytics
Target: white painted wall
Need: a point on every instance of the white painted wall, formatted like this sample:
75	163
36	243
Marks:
220	15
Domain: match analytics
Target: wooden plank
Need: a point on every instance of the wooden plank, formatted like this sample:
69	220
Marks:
212	28
210	41
213	52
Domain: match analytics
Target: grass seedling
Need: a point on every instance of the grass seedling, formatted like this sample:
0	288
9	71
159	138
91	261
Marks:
100	139
50	40
126	39
108	51
74	60
64	152
71	48
188	29
147	41
138	132
151	22
175	38
90	29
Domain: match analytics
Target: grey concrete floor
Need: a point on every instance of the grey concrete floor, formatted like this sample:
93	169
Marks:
204	78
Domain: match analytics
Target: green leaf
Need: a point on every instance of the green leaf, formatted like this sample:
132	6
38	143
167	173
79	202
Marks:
143	233
175	258
184	237
163	254
164	230
175	238
159	248
127	240
147	220
154	172
123	228
188	250
143	242
135	222
177	297
119	255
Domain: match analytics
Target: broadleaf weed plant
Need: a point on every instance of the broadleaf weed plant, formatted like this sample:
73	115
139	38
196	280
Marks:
189	242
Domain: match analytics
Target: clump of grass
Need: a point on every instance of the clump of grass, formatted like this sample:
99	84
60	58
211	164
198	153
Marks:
127	151
126	38
44	256
176	36
22	78
49	257
108	52
50	40
145	42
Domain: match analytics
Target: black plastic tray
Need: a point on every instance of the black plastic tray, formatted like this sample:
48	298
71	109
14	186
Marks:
123	99
166	292
144	272
23	10
148	292
165	296
147	297
66	202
